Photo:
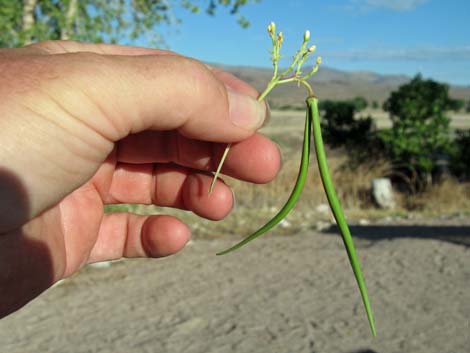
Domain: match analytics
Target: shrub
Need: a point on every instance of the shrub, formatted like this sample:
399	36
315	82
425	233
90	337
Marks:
460	157
456	105
360	103
341	129
419	136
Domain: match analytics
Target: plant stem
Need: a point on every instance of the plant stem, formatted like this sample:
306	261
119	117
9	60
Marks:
269	87
275	81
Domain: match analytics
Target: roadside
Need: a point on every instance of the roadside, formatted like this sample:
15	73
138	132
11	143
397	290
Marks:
278	294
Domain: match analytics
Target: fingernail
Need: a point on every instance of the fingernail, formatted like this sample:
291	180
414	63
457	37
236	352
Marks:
245	111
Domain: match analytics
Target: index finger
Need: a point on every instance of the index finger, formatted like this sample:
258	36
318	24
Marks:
255	159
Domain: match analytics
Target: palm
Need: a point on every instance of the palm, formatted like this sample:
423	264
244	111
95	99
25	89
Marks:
73	224
77	231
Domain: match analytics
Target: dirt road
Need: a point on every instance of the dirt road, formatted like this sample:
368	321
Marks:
279	294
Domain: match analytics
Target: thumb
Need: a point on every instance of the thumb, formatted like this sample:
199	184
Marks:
155	90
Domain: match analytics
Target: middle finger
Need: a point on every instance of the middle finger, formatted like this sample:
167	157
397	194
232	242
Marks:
256	159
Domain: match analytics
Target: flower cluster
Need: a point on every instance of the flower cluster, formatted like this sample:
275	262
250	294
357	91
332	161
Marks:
293	73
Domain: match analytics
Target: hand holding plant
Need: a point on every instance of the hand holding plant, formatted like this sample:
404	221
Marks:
87	125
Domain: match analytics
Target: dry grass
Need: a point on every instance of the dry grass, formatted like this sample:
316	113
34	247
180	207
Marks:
352	185
446	198
256	204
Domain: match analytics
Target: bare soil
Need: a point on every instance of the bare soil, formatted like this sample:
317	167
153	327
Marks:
288	294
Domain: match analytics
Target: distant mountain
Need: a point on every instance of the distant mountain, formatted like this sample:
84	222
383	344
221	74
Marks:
332	84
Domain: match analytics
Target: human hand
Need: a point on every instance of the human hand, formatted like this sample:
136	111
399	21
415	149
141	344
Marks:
83	125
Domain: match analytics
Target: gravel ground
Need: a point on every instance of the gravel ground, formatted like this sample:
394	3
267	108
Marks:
278	294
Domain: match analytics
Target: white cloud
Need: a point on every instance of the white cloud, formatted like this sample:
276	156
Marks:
395	5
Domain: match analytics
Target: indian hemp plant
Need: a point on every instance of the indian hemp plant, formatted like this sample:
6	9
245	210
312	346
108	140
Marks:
312	126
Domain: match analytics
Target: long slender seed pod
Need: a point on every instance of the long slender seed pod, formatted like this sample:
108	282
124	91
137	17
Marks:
335	205
294	196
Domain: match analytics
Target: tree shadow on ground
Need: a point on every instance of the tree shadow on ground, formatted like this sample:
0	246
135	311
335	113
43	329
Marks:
453	234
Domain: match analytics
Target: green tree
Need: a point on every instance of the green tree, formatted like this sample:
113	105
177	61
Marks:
341	128
457	105
420	132
26	21
460	158
360	103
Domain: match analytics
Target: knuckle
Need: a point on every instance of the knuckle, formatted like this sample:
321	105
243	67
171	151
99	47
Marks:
54	46
47	46
23	74
201	79
208	93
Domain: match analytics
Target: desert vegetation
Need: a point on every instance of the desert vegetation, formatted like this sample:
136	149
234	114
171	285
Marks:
424	151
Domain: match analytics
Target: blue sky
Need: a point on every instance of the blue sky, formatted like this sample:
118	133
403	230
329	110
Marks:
384	36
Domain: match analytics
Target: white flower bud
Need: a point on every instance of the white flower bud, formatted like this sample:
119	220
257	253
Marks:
272	28
312	48
306	35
